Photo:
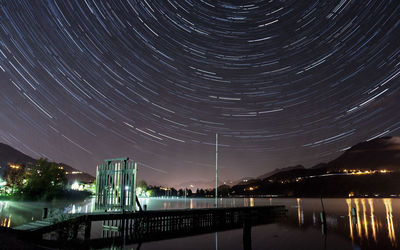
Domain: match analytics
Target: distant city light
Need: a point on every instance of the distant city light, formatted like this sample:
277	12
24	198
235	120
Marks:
15	166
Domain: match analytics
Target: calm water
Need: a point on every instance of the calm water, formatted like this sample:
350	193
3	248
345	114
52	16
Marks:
376	224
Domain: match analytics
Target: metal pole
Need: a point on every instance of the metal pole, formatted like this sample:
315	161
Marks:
216	170
134	188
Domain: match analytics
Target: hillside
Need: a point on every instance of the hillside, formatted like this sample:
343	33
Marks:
9	155
367	168
279	170
381	153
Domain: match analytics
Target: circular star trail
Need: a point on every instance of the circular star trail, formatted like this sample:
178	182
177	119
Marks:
281	82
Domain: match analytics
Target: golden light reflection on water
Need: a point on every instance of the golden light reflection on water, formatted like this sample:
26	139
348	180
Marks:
370	226
371	209
365	221
389	219
348	201
299	210
358	218
6	222
251	202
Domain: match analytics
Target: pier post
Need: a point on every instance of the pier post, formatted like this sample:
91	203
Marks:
88	228
45	212
247	232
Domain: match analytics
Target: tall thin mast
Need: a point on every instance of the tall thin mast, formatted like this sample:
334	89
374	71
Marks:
216	170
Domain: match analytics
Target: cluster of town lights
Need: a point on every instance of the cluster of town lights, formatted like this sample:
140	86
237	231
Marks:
359	172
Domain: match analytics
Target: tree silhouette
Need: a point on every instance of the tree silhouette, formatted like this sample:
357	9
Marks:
15	179
44	180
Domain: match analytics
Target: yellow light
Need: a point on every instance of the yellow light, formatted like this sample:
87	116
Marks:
15	166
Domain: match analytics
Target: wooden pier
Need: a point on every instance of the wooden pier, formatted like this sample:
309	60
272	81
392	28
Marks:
123	228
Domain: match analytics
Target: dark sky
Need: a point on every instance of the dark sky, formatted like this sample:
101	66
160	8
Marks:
281	82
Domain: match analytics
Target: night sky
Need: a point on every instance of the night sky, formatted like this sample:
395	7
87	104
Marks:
282	82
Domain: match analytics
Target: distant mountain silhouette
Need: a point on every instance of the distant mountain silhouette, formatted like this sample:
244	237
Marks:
198	184
377	154
9	155
370	157
280	170
75	174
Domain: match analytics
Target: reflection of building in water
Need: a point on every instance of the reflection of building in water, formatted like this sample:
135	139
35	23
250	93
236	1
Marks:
389	219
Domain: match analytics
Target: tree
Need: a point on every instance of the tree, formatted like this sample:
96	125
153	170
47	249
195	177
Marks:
45	180
142	184
202	193
15	179
173	192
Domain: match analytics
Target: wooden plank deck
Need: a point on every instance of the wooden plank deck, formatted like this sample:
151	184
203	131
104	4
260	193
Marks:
43	224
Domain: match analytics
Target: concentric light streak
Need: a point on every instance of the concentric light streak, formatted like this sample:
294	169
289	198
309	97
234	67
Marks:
282	82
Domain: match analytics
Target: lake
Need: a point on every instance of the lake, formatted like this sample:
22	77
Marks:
374	225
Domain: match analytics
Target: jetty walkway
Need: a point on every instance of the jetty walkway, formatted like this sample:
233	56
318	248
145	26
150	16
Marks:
122	228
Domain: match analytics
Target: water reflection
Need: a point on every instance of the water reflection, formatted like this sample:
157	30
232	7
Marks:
6	222
373	227
216	240
300	214
389	219
365	221
370	226
251	202
356	201
5	215
348	201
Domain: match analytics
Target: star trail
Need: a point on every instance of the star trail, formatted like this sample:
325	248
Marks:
281	82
